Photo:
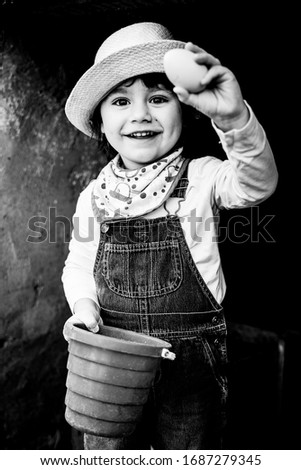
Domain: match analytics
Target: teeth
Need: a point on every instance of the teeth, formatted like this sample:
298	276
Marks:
142	134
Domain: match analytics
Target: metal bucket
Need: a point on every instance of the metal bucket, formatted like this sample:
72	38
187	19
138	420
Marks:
109	378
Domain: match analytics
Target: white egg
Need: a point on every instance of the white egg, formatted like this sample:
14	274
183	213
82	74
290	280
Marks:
183	71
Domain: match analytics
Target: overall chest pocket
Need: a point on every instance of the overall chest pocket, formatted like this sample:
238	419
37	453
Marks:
142	270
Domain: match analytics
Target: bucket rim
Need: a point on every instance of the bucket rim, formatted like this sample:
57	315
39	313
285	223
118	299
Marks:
129	342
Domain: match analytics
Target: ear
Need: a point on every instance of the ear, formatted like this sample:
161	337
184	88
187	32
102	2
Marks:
102	128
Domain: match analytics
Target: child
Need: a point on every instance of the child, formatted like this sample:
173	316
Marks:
149	262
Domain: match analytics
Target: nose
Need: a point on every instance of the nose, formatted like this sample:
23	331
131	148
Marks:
140	112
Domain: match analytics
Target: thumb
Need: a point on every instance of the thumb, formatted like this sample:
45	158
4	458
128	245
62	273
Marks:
182	94
93	327
190	99
91	319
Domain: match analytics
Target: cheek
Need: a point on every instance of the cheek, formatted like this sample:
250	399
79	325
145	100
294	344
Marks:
106	126
177	127
110	125
177	123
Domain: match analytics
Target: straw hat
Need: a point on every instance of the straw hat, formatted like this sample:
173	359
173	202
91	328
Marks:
134	50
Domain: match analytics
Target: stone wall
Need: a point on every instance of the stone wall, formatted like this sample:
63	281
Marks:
44	164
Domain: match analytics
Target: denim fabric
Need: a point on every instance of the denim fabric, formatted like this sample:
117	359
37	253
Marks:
147	282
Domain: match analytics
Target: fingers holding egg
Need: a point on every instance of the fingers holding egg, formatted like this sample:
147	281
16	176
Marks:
202	82
193	47
201	56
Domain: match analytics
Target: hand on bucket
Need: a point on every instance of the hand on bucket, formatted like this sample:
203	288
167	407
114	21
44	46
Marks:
87	312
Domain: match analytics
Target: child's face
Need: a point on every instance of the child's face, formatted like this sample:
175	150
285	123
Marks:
142	124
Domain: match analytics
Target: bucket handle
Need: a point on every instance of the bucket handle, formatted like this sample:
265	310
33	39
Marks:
166	354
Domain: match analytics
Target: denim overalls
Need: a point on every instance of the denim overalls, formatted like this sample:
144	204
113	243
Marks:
147	282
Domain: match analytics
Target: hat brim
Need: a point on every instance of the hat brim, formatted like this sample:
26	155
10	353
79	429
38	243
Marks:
103	76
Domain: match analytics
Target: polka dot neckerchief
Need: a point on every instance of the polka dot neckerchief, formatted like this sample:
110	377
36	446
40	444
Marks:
119	192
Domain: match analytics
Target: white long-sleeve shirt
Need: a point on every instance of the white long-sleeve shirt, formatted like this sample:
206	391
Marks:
247	177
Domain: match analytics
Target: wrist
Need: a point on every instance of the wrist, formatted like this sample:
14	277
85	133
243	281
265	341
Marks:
85	304
235	121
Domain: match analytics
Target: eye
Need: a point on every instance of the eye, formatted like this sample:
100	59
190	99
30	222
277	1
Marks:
120	102
158	99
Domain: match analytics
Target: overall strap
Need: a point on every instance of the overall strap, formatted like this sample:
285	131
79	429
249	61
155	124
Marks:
181	187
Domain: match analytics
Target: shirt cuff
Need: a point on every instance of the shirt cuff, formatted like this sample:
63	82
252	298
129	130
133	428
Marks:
251	136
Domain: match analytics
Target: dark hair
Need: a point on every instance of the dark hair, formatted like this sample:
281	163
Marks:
150	80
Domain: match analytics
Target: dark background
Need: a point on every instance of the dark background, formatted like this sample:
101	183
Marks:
47	46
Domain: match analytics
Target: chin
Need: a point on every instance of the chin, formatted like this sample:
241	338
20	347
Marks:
145	159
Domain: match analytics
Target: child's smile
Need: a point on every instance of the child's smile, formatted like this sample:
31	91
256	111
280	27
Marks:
142	135
142	124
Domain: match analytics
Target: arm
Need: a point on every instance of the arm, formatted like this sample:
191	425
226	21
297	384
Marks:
249	175
77	277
